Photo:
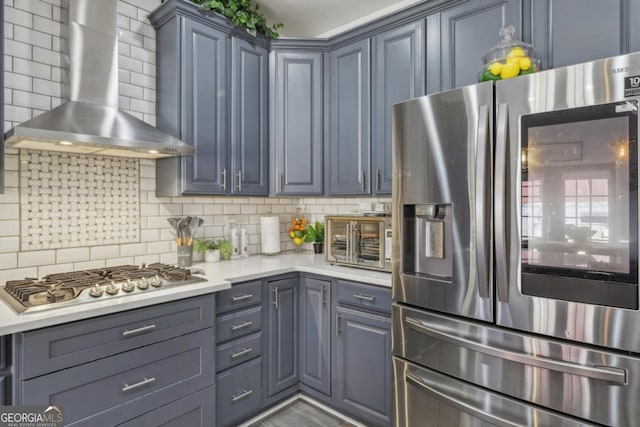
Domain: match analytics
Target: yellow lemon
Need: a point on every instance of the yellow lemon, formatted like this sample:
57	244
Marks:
495	68
297	241
511	69
524	63
517	51
292	234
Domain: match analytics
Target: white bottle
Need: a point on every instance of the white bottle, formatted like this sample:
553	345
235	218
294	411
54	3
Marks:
244	243
235	240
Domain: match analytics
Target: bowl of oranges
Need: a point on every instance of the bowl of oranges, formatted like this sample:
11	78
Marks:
509	58
298	230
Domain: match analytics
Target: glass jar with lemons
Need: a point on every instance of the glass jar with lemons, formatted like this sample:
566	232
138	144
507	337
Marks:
508	58
297	229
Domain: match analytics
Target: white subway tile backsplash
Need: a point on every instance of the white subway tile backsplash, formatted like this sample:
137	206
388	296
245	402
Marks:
44	270
17	274
133	249
8	260
49	26
47	87
32	100
19	49
146	259
36	258
72	255
104	252
17	16
87	265
17	114
47	56
30	68
33	37
36	7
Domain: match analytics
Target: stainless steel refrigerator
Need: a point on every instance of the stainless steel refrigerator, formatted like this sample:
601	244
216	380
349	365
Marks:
515	252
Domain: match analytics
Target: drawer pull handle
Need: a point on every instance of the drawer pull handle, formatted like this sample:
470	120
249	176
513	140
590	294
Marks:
364	297
241	325
241	352
140	384
136	331
246	393
241	297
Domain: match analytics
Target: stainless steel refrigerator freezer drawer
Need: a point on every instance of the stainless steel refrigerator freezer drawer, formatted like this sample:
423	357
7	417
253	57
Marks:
434	400
586	382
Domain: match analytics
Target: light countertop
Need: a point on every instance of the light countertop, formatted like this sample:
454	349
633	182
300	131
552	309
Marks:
220	276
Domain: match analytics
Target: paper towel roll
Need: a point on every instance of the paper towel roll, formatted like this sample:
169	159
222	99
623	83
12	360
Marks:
270	234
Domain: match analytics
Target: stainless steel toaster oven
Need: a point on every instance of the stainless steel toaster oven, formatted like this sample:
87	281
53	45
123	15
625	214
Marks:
359	241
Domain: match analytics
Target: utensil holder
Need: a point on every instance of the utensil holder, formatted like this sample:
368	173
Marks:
185	256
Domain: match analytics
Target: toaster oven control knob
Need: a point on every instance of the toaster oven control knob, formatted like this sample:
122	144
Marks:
112	288
156	281
143	284
96	291
128	286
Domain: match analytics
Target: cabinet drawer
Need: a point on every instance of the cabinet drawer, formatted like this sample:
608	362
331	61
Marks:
124	386
238	324
239	296
238	351
195	410
239	392
51	349
370	297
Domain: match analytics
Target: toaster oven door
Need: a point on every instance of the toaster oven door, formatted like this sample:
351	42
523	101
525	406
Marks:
340	237
369	240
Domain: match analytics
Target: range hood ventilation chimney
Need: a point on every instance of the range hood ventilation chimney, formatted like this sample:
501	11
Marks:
90	122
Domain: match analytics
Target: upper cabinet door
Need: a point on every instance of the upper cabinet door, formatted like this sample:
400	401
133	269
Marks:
296	123
573	31
204	68
249	118
349	142
398	75
458	37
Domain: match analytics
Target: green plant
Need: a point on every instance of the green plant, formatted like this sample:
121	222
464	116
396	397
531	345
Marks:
225	248
242	13
315	234
203	245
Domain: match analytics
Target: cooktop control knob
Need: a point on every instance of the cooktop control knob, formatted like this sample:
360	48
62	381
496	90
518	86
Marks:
143	284
128	286
112	288
96	291
156	281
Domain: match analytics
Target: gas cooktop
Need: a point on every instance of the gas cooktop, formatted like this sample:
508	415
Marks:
65	289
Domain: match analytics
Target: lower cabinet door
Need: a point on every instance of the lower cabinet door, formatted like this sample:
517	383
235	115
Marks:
315	331
283	339
239	392
362	366
119	388
5	383
195	410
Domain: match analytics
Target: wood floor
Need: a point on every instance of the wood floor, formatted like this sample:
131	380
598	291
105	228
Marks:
300	414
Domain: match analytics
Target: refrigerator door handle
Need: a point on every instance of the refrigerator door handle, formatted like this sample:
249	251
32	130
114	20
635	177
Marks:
481	198
605	373
460	404
502	272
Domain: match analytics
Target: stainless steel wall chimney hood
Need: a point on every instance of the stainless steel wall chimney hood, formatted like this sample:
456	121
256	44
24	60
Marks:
91	122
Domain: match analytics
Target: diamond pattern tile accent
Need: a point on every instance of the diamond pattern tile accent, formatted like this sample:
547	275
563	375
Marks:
70	200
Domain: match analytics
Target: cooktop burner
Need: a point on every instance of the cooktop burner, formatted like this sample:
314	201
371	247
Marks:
63	289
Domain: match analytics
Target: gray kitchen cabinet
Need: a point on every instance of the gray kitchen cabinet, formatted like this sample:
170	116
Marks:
563	32
315	334
121	387
283	335
296	123
213	94
349	120
459	36
362	365
2	99
194	410
5	384
239	393
398	75
192	105
249	119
